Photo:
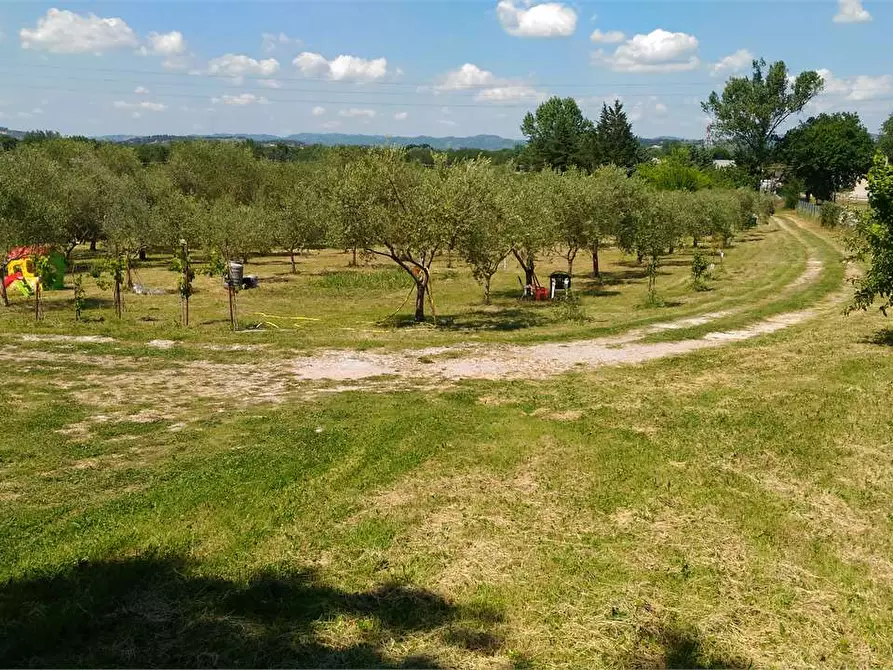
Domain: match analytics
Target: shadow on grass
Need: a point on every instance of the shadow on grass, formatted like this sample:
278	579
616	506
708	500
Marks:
670	645
153	612
883	338
517	318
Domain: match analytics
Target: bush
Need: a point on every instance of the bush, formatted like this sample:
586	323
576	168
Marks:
791	192
570	310
700	271
829	214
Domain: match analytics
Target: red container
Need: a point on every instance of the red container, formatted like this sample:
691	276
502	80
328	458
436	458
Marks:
541	293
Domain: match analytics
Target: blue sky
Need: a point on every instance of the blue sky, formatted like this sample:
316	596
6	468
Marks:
417	66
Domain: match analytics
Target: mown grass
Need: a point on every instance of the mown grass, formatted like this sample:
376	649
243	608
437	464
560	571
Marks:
328	304
728	508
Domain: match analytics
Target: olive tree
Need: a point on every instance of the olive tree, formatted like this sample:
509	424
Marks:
485	237
401	211
296	196
532	221
872	240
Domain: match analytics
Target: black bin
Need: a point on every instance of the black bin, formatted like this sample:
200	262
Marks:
559	283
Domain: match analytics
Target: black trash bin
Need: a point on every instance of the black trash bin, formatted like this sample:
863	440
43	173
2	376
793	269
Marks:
559	284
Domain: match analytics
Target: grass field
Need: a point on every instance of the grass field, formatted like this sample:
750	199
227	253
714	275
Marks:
725	508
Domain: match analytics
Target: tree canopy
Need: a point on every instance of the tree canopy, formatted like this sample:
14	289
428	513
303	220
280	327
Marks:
829	153
615	143
751	109
556	134
873	240
885	141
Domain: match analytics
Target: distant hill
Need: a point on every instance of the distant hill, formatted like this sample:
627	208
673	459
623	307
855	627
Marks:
486	142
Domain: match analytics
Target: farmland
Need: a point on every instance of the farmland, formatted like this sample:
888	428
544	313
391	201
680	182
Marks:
193	496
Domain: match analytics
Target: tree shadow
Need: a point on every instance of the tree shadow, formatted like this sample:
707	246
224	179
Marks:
671	645
883	338
162	612
502	320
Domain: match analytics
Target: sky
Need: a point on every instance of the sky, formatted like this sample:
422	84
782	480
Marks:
413	67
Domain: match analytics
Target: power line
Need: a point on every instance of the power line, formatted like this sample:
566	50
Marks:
426	84
271	98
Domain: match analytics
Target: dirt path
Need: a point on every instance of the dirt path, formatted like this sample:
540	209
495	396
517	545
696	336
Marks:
128	381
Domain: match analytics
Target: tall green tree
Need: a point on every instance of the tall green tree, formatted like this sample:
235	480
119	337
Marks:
872	240
556	135
615	143
751	109
885	141
829	152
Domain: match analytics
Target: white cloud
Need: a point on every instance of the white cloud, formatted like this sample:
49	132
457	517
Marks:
239	65
514	93
610	37
550	19
150	106
447	122
141	90
467	76
401	116
851	11
331	125
353	112
735	62
660	108
342	68
658	51
318	111
270	41
269	83
62	31
855	89
241	100
175	63
37	110
167	44
136	115
493	89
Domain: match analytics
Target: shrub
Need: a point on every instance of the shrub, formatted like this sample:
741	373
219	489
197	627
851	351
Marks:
791	192
700	271
570	310
829	214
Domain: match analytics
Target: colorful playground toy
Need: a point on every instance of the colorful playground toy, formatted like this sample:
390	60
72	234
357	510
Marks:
20	269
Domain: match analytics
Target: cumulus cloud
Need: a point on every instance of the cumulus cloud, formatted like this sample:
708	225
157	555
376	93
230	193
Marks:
353	113
658	51
851	11
331	125
166	44
241	100
550	19
467	76
610	37
401	116
493	89
239	65
342	68
854	89
150	106
141	90
735	62
269	83
269	42
62	31
318	111
512	93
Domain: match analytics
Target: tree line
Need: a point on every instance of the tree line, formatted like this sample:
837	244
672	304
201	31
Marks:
225	201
